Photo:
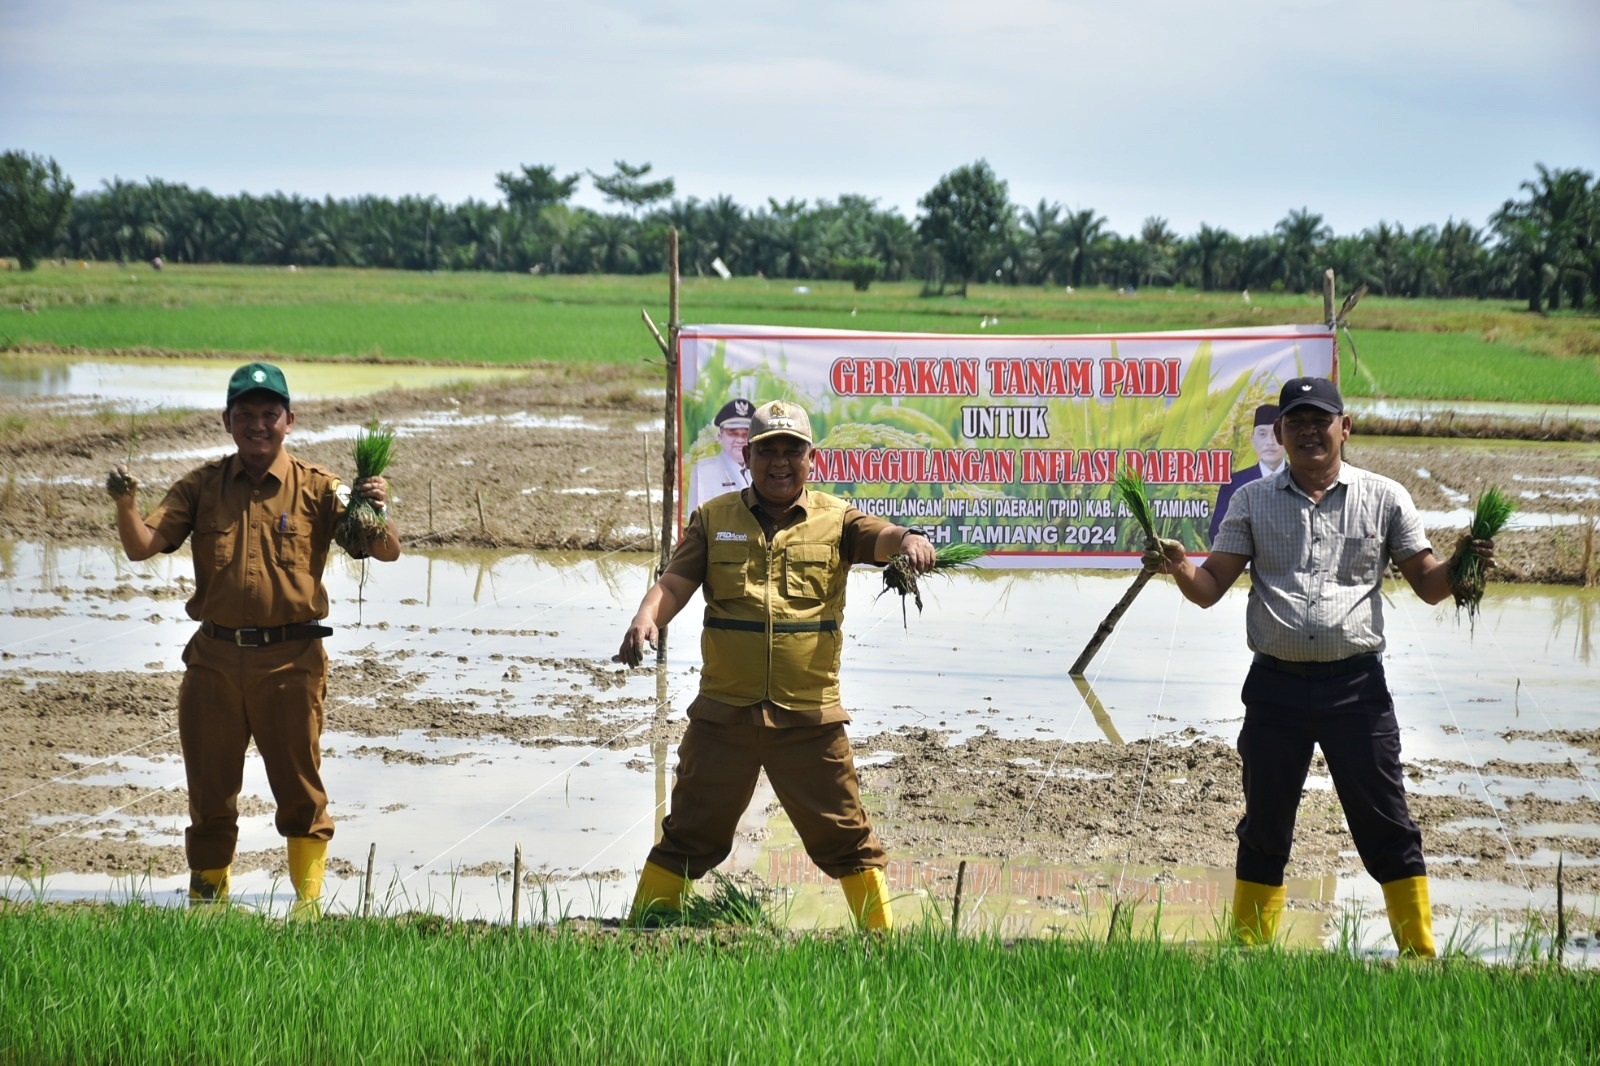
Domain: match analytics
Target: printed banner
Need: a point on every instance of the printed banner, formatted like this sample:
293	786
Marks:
1010	442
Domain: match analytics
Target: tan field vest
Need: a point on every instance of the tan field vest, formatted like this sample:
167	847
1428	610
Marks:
773	614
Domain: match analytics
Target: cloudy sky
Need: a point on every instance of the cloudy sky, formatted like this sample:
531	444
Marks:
1230	113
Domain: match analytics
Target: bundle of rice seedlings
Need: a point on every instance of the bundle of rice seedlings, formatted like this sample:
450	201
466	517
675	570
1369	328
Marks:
362	525
900	576
1129	485
1467	572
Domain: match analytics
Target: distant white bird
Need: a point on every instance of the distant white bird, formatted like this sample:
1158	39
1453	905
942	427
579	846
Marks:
1246	295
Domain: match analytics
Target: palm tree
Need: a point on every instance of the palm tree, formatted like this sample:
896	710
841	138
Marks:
1205	251
1161	261
1543	234
1301	237
1081	234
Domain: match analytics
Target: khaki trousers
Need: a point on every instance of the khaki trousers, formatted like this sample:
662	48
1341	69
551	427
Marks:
231	695
811	770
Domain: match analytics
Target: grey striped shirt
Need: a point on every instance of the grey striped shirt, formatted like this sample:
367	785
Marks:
1317	568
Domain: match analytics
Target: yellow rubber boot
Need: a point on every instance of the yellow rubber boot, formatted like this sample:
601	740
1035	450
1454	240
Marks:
868	895
307	862
208	886
1410	916
659	890
1256	910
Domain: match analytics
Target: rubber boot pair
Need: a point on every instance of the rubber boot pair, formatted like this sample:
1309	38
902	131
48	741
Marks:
1256	910
307	862
1410	916
659	897
209	886
867	893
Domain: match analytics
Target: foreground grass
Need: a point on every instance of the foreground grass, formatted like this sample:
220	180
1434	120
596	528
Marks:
145	984
1449	349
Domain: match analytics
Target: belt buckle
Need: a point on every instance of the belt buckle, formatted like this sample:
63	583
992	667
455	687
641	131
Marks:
238	637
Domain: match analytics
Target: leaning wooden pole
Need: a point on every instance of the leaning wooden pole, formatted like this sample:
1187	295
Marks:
669	451
1110	623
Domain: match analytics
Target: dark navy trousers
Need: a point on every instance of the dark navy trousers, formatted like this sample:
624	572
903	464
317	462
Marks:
1352	719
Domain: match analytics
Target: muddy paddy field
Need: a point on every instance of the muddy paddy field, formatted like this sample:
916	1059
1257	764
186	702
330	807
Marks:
473	708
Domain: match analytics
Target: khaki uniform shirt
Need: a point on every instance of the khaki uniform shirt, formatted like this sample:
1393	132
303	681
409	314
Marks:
802	586
259	550
1316	585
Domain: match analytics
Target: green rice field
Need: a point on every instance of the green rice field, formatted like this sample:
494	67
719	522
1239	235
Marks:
133	984
1426	349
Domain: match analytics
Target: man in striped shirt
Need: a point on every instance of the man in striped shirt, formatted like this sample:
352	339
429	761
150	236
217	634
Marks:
1318	536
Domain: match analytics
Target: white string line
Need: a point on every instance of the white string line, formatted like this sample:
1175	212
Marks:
647	816
1505	835
1538	706
90	820
86	766
1150	743
1049	774
587	752
378	686
655	810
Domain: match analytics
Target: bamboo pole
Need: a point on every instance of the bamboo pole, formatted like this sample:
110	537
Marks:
669	449
366	892
1110	622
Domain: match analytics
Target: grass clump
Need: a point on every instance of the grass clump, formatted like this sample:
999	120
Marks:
1468	574
362	526
900	576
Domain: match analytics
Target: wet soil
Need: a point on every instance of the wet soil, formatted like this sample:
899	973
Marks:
474	482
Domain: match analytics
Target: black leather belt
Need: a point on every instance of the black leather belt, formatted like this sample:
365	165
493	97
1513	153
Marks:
1338	668
260	638
826	625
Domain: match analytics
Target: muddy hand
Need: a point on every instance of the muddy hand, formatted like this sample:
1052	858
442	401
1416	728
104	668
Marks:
120	483
632	651
1484	549
1158	554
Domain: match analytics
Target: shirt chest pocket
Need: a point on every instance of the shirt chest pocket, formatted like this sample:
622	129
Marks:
291	540
1359	560
216	541
808	571
727	568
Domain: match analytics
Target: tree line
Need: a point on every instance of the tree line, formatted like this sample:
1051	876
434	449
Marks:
1542	245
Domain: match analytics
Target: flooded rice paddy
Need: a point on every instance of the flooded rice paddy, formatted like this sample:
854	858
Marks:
529	635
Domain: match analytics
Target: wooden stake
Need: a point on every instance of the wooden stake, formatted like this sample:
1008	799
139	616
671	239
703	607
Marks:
1561	912
366	892
516	886
430	505
1110	622
955	908
483	523
669	448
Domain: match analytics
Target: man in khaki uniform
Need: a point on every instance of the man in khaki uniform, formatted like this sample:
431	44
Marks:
262	522
773	560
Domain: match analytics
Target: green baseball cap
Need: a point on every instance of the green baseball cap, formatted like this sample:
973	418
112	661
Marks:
257	377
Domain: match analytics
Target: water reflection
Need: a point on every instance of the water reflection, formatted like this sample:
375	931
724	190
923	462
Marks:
989	654
136	384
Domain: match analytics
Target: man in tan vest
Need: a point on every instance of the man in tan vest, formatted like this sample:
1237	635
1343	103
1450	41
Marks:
773	560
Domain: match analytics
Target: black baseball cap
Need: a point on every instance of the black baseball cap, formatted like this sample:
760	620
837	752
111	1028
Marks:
1310	392
258	377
